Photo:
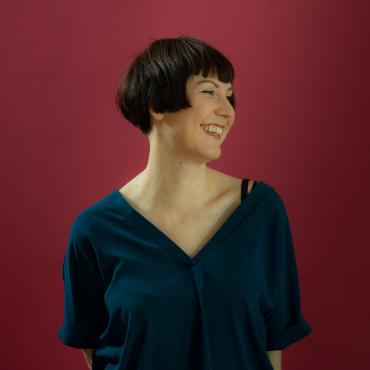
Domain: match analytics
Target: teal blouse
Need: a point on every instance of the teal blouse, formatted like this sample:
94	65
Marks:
135	297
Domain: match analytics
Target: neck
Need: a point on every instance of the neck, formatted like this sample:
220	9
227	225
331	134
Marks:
175	184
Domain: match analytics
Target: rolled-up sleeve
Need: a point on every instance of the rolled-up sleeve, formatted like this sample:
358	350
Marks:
84	307
285	323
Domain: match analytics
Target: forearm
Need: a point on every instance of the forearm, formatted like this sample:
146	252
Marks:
275	359
88	356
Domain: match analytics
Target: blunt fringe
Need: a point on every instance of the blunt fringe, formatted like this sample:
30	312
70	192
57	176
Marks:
157	77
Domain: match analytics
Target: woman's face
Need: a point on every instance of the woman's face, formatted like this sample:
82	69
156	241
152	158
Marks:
183	130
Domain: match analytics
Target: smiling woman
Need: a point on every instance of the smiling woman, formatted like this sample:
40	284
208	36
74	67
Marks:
184	267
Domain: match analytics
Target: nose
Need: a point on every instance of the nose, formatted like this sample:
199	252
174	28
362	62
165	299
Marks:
225	108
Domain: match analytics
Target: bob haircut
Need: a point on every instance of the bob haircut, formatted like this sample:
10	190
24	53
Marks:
157	77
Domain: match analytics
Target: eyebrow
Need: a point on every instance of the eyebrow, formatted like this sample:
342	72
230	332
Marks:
201	81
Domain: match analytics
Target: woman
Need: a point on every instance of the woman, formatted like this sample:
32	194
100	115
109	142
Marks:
183	267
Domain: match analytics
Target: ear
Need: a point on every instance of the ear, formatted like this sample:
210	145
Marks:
156	116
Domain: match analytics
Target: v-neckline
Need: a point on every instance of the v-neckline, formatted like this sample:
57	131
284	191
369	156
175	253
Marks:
142	224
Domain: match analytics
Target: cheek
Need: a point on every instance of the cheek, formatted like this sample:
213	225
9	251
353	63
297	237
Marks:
188	132
193	134
202	106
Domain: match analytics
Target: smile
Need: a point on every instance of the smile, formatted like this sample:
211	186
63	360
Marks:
213	131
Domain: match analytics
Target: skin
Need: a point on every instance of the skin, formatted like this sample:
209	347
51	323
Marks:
177	178
275	359
88	356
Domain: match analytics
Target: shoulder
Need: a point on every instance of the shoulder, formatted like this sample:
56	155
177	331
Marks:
275	202
90	217
275	196
227	183
269	197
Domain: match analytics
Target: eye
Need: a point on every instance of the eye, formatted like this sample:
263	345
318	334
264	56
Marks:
211	91
208	91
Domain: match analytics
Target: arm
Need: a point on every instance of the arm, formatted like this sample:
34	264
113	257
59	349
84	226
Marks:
88	356
275	359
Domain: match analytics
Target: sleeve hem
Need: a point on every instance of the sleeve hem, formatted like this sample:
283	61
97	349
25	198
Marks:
280	341
76	340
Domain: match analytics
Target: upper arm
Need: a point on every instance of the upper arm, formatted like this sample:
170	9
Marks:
84	306
285	323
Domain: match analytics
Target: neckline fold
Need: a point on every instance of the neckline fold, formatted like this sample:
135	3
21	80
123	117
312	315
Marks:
143	225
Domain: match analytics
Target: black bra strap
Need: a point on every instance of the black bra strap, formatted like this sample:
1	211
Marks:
244	190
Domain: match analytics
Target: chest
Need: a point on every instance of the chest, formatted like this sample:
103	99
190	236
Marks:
192	233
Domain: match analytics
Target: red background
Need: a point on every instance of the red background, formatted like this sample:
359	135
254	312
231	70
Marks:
302	125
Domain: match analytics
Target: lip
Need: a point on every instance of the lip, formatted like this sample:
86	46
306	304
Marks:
215	124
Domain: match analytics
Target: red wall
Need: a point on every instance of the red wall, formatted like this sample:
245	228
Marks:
302	125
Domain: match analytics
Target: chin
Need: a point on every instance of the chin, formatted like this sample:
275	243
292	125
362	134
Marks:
211	156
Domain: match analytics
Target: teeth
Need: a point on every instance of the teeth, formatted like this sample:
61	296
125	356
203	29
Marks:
211	128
